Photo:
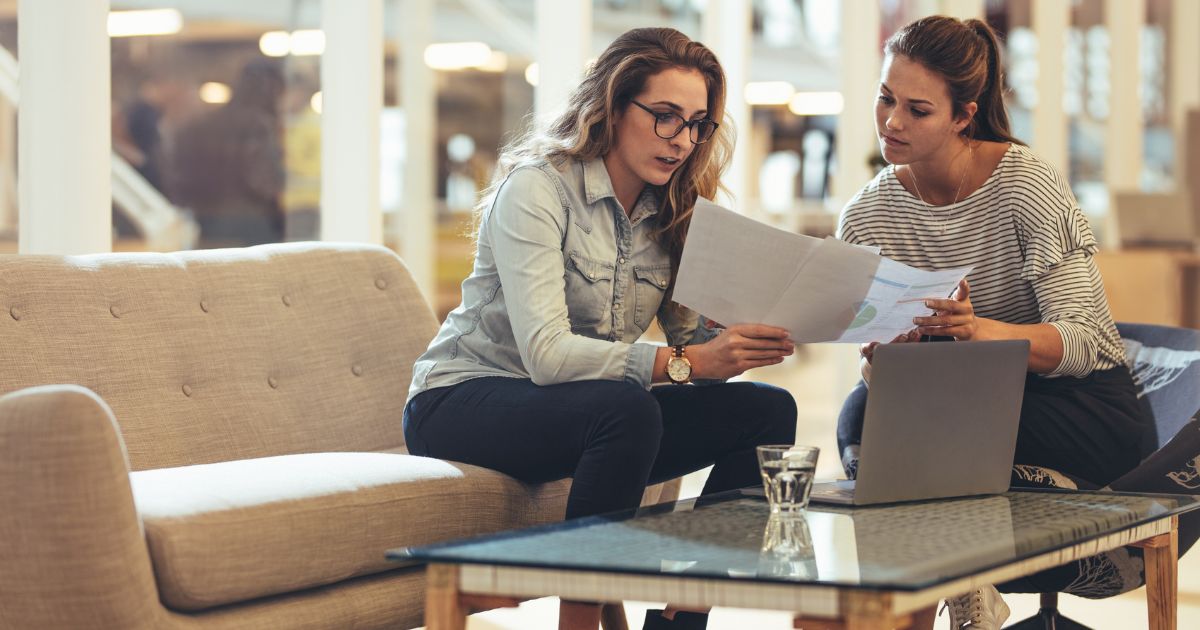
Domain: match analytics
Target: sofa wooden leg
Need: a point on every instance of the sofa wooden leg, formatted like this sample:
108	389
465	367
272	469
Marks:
444	610
1162	578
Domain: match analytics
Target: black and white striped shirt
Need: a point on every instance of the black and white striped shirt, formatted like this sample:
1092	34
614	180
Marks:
1026	237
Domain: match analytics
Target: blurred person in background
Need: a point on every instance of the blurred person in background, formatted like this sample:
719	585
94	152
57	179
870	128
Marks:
228	164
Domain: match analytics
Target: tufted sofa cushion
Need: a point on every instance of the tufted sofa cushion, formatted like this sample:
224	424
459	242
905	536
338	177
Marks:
233	531
213	356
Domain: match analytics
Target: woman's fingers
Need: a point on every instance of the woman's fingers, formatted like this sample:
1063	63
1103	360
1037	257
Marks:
948	306
758	331
942	320
963	291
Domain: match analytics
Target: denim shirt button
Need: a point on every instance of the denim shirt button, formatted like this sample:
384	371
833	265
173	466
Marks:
621	261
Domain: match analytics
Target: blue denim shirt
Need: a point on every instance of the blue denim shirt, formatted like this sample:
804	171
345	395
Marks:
564	284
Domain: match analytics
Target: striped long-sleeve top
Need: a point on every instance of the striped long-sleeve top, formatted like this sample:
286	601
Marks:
1027	239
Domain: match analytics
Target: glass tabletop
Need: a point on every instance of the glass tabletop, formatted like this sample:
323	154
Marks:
897	547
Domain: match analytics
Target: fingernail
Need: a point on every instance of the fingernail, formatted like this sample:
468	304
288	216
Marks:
929	303
916	320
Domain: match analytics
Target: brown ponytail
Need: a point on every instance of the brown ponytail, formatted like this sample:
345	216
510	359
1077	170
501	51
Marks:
967	55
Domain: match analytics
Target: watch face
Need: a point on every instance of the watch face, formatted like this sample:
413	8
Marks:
678	369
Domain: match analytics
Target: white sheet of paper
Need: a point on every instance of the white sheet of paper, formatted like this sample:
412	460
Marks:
825	296
735	270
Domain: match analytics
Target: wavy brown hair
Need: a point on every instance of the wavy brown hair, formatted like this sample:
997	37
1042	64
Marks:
967	55
587	128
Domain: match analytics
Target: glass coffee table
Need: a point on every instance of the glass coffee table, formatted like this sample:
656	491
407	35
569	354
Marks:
854	568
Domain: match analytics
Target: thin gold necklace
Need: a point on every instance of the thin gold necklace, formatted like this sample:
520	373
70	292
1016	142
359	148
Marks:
941	225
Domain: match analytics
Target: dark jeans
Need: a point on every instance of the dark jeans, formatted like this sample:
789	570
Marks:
612	437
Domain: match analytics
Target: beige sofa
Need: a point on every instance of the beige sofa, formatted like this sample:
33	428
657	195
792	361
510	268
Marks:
213	440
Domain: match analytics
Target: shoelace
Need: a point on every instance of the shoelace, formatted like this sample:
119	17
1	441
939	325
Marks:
964	607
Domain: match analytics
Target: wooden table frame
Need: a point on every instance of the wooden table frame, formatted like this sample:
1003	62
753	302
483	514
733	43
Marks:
454	591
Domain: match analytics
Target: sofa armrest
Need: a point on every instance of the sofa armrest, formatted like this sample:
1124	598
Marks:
73	549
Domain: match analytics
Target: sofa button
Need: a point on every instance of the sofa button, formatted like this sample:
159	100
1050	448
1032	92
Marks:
16	313
357	369
116	312
287	300
187	390
204	305
380	284
272	382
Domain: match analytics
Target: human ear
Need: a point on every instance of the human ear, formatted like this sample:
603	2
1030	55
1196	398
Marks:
968	113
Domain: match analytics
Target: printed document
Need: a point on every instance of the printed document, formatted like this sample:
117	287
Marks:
736	270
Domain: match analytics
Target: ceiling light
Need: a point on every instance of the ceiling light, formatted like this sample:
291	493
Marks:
769	93
531	74
497	62
213	92
816	104
275	43
308	42
138	23
317	102
457	56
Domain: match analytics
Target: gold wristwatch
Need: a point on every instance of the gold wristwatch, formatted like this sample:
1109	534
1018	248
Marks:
679	369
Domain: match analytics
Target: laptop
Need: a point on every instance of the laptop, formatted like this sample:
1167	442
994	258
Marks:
941	421
1154	219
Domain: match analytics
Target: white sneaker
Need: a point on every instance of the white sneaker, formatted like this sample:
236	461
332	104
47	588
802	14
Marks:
980	609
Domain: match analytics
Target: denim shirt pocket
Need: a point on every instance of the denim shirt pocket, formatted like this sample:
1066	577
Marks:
652	281
589	290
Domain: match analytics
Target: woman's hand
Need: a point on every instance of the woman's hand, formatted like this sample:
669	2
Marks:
739	348
867	350
953	317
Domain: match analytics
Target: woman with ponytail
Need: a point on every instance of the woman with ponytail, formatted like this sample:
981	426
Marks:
538	373
961	190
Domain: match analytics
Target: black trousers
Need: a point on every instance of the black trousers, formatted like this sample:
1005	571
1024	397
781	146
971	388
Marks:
1090	428
612	437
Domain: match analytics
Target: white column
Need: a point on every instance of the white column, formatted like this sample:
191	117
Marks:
418	98
564	40
1123	151
966	9
1184	90
1051	19
65	137
856	140
352	93
727	31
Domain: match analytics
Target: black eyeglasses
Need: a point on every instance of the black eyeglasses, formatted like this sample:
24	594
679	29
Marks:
667	125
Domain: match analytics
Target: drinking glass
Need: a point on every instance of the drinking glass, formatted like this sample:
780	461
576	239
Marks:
787	475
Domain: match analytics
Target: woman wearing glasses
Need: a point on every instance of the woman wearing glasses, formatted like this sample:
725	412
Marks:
537	373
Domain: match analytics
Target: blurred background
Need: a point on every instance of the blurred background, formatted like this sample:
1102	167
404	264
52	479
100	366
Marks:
217	111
